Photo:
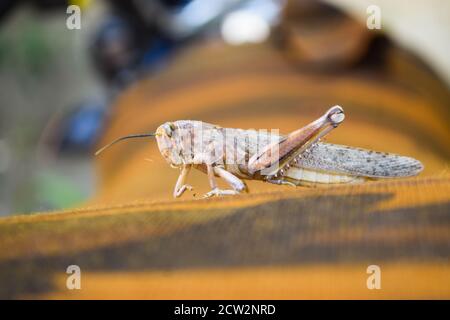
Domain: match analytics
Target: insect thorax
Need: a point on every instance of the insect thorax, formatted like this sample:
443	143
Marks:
196	143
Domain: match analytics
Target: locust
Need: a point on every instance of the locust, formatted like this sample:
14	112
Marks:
299	158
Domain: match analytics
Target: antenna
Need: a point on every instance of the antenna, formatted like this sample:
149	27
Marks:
124	138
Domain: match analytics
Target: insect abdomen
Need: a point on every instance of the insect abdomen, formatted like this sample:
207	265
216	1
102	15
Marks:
316	177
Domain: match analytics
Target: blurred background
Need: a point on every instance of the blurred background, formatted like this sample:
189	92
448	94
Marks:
59	87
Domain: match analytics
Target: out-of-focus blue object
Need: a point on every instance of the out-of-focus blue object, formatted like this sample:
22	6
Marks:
81	128
156	54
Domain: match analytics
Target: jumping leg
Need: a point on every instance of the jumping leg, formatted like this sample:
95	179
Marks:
229	178
236	183
277	156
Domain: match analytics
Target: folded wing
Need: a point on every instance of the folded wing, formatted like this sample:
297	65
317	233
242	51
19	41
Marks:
359	162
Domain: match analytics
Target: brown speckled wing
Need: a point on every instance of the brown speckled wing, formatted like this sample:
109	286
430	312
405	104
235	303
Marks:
359	162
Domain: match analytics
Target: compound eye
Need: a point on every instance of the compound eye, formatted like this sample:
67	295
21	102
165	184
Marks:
168	129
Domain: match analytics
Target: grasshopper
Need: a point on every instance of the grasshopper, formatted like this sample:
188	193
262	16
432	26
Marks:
299	158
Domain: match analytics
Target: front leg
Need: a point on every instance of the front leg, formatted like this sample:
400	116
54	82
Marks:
181	185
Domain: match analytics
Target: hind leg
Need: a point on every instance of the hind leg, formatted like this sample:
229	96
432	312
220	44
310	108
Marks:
237	185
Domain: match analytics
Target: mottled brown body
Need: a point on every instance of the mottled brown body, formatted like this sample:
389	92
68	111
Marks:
294	159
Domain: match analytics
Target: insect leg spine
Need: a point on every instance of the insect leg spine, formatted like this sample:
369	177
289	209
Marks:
284	170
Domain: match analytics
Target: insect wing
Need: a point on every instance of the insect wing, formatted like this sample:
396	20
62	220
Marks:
359	162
